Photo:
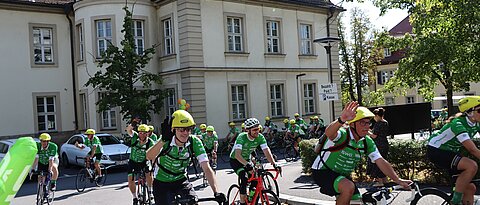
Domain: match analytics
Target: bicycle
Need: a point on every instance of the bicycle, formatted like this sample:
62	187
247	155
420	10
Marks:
89	174
179	200
44	194
204	177
289	153
437	196
262	195
224	152
142	188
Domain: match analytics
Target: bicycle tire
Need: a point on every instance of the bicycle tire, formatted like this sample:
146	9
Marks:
39	194
233	194
435	196
81	180
268	197
51	197
289	153
101	180
270	184
225	154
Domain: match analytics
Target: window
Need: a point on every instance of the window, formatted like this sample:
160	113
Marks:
239	102
389	101
104	35
80	43
273	36
235	34
84	110
309	98
167	37
384	76
276	100
139	36
42	45
171	101
410	99
46	113
306	39
108	117
386	52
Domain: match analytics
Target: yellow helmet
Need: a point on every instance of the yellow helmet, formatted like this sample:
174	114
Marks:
90	132
267	118
243	125
45	136
143	128
286	121
296	115
468	103
210	128
361	112
151	128
315	117
312	117
182	118
292	121
260	128
231	124
203	126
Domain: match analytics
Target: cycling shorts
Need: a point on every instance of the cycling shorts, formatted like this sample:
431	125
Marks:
42	167
97	156
328	181
137	166
444	159
165	192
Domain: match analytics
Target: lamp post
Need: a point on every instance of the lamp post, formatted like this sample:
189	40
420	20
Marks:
298	93
326	42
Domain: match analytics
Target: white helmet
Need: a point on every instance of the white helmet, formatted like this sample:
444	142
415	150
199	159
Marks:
251	122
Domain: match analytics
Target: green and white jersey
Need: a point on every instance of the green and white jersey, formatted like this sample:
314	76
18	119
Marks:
196	131
94	142
208	142
451	136
248	145
173	165
345	160
297	130
139	150
234	131
46	154
154	137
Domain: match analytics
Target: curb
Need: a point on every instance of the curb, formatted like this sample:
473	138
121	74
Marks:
294	200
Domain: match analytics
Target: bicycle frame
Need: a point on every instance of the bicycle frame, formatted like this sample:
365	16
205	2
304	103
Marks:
257	175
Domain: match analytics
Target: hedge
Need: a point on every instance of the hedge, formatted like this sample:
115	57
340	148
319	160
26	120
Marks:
408	158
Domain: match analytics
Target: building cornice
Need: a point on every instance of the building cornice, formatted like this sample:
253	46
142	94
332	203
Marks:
86	3
33	7
242	69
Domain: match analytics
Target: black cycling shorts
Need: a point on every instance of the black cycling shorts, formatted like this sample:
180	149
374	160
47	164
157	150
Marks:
97	156
137	166
444	159
42	167
165	192
328	179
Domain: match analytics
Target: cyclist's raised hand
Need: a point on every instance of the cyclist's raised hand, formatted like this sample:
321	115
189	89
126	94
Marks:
349	112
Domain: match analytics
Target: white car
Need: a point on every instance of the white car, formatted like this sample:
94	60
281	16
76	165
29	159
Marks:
114	152
5	145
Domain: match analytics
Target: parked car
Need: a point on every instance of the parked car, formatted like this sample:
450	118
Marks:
6	144
114	151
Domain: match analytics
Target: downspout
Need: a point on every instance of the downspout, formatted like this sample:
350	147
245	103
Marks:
68	9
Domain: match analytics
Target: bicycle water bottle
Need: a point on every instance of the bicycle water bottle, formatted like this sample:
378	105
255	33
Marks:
251	194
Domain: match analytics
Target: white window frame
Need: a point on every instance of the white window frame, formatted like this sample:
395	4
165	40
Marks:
235	38
46	113
273	35
102	36
171	101
80	42
386	52
410	99
309	98
84	104
167	37
236	102
389	101
108	118
138	28
43	45
306	45
277	102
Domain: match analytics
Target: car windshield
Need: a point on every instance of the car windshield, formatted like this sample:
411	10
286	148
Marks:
108	140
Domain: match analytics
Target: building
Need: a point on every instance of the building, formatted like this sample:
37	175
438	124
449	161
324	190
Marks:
389	64
229	59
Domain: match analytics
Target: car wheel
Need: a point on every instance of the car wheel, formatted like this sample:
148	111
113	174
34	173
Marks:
65	162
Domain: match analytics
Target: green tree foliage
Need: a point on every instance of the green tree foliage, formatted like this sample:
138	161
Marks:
358	60
124	82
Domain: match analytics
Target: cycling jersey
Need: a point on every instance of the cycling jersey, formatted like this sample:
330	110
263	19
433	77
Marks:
197	131
48	153
173	165
91	143
344	161
154	137
301	123
248	145
451	136
208	142
271	125
297	130
234	131
139	151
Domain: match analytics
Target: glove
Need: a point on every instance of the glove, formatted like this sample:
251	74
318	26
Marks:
220	197
278	168
249	166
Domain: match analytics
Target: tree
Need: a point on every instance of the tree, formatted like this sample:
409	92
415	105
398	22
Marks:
444	47
125	83
358	59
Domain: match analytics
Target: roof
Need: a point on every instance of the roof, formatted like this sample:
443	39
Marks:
402	28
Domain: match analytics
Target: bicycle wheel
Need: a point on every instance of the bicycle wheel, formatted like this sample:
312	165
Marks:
81	180
289	153
270	184
39	194
51	196
101	180
268	198
233	195
225	154
431	196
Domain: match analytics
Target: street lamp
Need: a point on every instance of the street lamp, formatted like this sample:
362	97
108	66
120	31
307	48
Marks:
327	44
298	93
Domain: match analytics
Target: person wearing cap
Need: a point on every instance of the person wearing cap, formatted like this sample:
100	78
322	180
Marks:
47	158
269	129
172	155
331	170
243	127
233	133
151	134
286	124
96	150
444	148
300	122
295	134
210	142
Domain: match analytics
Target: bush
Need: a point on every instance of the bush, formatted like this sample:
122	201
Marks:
307	154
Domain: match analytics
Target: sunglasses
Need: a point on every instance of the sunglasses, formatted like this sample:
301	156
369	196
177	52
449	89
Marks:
478	110
43	140
183	129
364	123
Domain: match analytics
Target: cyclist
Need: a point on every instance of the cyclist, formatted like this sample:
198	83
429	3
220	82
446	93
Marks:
173	153
444	148
300	122
286	124
199	131
295	133
270	129
210	142
47	158
151	134
245	144
331	169
243	127
139	144
96	150
233	133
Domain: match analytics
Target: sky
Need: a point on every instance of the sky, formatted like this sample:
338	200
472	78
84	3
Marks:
388	20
